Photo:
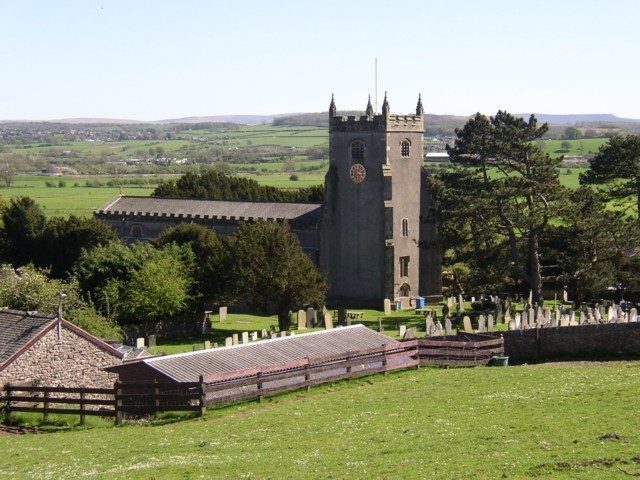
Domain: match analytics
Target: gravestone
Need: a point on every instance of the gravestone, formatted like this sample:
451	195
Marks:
466	322
460	303
517	319
410	333
481	324
611	314
302	319
292	334
447	327
207	345
490	323
531	318
432	330
564	321
402	330
530	297
597	314
387	306
450	302
264	333
512	325
499	317
311	316
151	341
222	313
254	336
428	324
583	318
245	337
524	320
139	342
633	315
215	344
283	333
380	327
228	342
273	335
235	339
473	299
328	321
438	330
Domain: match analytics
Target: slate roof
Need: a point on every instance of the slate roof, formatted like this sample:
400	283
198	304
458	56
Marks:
18	328
187	367
209	209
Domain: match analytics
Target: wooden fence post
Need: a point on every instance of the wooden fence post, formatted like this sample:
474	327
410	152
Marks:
201	398
118	399
46	404
82	416
7	411
259	385
307	375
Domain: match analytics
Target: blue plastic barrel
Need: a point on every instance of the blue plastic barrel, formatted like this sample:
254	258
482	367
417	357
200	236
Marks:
419	302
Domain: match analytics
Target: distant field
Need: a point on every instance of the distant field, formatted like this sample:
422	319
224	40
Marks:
585	146
565	421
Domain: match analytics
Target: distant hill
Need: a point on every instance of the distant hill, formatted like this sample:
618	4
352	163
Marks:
578	118
240	119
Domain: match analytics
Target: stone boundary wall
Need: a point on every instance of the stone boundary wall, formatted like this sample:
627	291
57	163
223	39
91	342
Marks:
580	342
71	361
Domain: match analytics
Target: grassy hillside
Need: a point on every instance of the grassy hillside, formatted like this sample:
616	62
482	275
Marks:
544	421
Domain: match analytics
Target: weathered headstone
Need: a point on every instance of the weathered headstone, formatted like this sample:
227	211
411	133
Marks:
611	314
517	320
583	318
215	344
151	341
499	317
222	313
264	333
228	342
512	325
235	339
466	323
531	317
380	327
311	316
490	323
450	302
460	303
283	333
302	319
428	323
328	321
254	336
481	324
139	342
245	337
597	314
447	327
410	333
564	321
387	306
207	345
402	330
530	297
438	330
524	320
273	335
633	315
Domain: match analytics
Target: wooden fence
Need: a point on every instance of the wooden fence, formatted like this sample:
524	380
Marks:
134	399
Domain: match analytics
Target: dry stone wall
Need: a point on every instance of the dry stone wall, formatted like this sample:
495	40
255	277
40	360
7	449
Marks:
69	361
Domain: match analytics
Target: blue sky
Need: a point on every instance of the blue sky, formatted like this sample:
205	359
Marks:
159	59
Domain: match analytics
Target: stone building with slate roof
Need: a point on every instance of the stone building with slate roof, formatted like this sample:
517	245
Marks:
374	236
37	348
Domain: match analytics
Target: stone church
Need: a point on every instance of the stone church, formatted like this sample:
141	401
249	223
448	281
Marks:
373	236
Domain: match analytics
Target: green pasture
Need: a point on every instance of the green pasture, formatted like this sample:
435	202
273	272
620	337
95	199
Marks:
560	421
583	146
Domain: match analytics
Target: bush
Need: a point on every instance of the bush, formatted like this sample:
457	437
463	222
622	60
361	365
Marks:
50	184
62	184
294	178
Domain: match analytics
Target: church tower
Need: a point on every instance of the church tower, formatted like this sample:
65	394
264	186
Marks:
370	230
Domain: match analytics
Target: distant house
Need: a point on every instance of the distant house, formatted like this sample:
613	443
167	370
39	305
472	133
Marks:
37	348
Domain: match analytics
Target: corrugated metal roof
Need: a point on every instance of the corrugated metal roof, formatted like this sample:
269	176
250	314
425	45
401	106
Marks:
210	209
187	367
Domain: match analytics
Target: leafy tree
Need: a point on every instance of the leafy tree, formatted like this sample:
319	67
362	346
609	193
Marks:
212	185
8	174
523	192
565	146
212	269
590	244
572	133
272	270
28	288
63	240
617	168
23	224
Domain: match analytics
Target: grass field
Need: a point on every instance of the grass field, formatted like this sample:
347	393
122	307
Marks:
584	146
542	421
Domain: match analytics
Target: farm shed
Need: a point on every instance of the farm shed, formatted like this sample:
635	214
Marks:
38	348
188	367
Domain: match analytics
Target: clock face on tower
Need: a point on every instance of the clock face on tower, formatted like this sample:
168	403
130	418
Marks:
357	173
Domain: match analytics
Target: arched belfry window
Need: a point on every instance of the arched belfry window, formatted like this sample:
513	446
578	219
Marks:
357	150
136	231
405	227
405	147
